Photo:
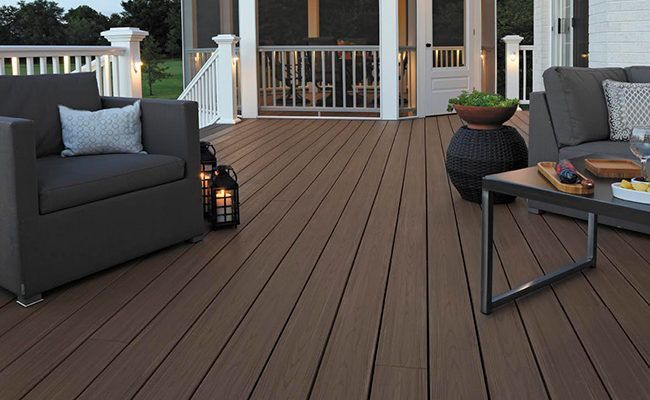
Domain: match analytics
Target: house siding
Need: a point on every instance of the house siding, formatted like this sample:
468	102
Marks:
619	33
542	41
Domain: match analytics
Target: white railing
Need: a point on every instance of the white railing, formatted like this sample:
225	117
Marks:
203	89
117	67
215	86
519	61
319	78
194	60
448	56
526	53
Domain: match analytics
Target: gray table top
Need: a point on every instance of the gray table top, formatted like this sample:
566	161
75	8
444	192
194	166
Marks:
530	184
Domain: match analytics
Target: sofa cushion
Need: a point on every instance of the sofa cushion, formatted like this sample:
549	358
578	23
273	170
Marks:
73	181
618	149
577	103
629	107
38	97
638	74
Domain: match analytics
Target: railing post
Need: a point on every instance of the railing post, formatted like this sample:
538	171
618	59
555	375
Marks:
512	65
248	58
129	65
389	59
227	75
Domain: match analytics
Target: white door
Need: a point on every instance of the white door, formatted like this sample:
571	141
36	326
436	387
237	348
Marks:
452	51
562	43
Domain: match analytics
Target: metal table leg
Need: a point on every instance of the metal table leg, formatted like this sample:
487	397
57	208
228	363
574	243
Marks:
488	302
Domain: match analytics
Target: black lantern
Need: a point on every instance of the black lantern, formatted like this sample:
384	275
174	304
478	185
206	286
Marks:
224	198
208	166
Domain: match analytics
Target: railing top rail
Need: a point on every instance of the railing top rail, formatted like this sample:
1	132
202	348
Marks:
58	51
448	47
319	48
527	47
201	50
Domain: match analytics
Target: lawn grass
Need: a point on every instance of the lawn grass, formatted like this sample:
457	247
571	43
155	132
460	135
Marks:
169	88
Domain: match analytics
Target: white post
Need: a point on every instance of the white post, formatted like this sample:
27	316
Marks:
226	73
129	65
389	56
248	58
512	65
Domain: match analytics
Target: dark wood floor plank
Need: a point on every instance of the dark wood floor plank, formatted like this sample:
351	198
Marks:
291	369
37	321
268	140
403	331
144	354
617	362
134	317
629	308
634	267
231	135
510	365
25	372
455	368
567	369
247	349
399	383
346	368
639	242
221	133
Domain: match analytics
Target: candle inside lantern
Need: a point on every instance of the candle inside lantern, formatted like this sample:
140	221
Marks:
224	202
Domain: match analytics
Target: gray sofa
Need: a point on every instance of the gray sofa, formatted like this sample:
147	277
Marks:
570	120
64	218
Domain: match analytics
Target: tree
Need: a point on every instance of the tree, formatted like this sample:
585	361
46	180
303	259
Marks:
514	17
7	17
84	25
173	45
149	15
38	22
153	68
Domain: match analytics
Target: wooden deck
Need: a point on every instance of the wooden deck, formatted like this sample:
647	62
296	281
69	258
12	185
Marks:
354	275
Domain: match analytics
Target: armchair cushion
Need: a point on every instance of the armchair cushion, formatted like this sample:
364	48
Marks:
638	74
69	182
577	103
618	149
37	98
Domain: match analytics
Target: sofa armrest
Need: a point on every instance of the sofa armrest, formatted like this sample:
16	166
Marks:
169	127
18	196
542	144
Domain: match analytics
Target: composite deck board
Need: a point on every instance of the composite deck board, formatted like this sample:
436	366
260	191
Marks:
354	274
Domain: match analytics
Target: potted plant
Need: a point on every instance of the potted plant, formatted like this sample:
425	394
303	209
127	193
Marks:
483	111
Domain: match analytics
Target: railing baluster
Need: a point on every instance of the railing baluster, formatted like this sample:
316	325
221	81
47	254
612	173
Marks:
66	64
98	73
55	65
323	82
30	66
313	78
354	79
375	76
273	81
116	76
333	54
15	66
365	80
284	79
344	80
524	92
263	55
106	69
303	79
42	65
78	64
2	67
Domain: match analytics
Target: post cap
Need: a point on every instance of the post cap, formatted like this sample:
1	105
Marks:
512	39
226	39
125	34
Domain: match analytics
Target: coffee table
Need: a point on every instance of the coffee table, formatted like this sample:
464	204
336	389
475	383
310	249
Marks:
529	184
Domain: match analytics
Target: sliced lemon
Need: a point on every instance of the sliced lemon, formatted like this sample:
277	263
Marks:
640	187
626	184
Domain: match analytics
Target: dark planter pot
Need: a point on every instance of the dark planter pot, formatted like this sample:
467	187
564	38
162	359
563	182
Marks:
473	154
485	118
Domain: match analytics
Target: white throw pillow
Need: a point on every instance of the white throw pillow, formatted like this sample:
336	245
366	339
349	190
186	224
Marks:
629	107
111	130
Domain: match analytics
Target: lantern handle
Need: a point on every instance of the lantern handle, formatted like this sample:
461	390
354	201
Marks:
229	170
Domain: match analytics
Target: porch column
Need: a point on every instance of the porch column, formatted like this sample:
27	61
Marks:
248	58
389	56
512	65
129	66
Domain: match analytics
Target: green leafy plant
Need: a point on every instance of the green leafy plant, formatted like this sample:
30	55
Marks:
481	99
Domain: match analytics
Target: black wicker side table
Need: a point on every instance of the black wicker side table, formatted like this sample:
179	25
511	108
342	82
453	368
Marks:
473	154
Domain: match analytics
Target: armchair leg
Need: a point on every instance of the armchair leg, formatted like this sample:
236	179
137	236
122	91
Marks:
29	301
197	239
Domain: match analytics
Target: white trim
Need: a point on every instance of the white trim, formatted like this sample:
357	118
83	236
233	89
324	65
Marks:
248	58
389	56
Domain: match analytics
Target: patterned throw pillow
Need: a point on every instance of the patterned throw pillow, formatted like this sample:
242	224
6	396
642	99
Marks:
111	130
629	107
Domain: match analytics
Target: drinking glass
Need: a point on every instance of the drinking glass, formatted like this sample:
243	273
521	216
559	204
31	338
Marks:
640	146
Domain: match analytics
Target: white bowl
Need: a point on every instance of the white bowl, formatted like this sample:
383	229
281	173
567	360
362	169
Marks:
630	194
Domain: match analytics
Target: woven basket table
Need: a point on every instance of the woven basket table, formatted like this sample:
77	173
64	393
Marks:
473	154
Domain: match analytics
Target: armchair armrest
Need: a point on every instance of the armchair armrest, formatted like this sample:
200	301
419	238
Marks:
169	127
542	144
18	194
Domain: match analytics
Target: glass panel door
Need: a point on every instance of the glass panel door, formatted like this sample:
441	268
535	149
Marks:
448	33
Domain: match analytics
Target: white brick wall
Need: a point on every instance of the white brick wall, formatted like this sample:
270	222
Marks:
542	41
619	33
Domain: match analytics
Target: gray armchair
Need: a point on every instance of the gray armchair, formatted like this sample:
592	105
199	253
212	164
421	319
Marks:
64	218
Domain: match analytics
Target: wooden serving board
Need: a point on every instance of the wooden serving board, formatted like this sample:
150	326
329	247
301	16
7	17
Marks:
613	169
548	170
